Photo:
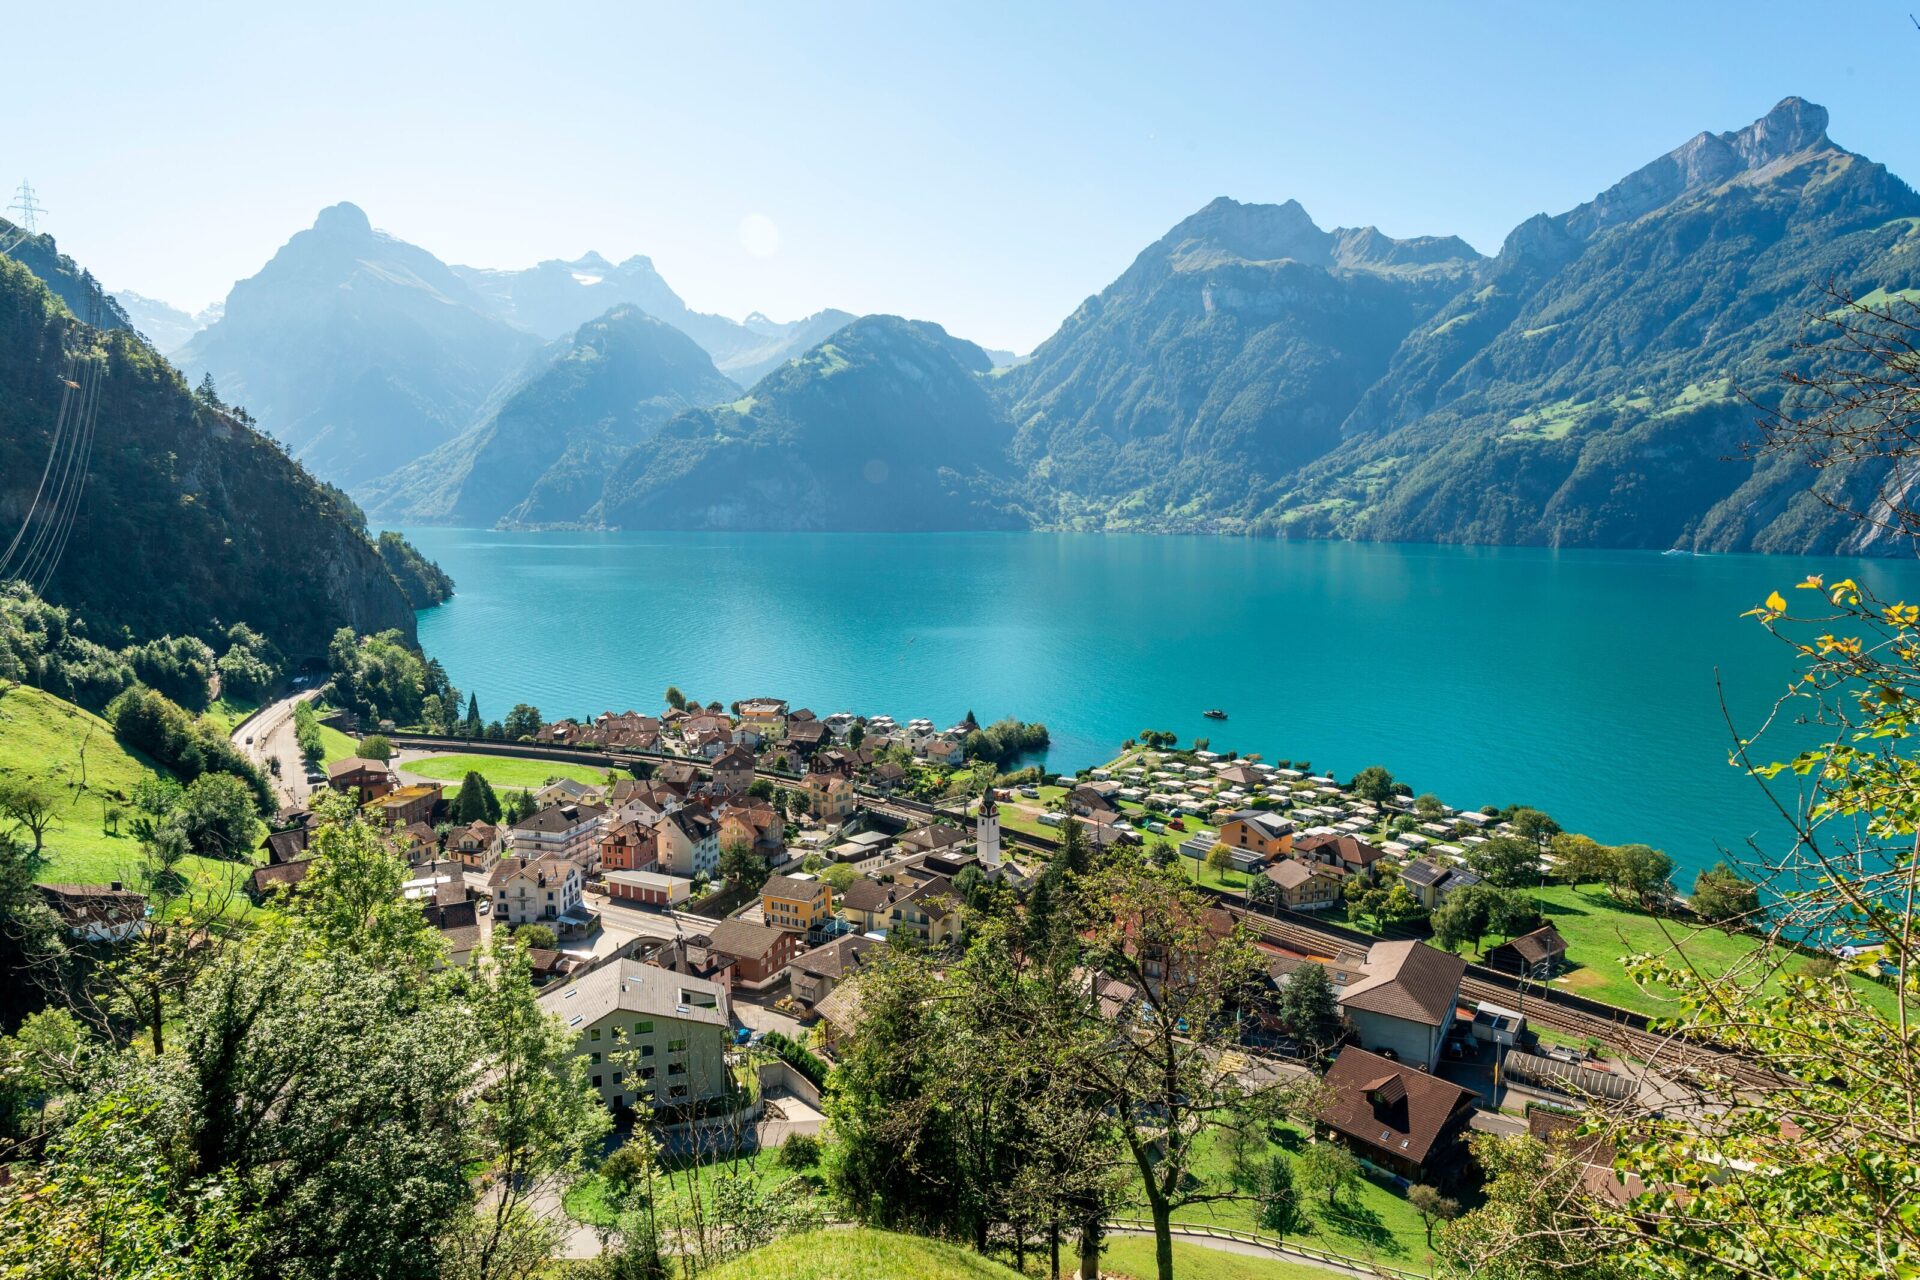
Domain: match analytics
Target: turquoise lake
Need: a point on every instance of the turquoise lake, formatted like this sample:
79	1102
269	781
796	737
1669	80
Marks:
1586	683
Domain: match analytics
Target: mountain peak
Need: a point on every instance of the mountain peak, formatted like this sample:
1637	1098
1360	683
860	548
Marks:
1702	162
1793	125
1226	228
343	219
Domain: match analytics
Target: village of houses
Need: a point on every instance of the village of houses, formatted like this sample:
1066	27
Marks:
624	876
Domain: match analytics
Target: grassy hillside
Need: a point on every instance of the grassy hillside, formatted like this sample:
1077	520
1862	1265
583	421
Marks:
1600	929
74	751
859	1254
1372	1221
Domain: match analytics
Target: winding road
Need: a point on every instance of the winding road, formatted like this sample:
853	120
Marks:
267	735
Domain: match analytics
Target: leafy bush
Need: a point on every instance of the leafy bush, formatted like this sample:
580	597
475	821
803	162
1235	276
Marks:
799	1057
149	721
45	646
382	677
306	731
802	1151
1005	740
251	664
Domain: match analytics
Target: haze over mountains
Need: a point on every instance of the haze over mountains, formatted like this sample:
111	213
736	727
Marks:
1249	372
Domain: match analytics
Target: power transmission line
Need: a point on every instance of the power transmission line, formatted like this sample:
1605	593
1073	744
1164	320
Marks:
27	207
68	462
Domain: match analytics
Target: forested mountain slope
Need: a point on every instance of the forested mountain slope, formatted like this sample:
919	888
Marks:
888	425
1223	359
544	455
189	520
1589	392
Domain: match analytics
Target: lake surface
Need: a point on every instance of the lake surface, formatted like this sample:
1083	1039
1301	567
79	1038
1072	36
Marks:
1581	682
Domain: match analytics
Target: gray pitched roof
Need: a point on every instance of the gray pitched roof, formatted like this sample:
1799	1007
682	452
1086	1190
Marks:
628	986
836	958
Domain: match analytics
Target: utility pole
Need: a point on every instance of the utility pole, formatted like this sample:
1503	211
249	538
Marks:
27	207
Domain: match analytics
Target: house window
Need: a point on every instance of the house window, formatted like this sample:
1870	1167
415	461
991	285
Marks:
646	1073
676	1046
676	1068
596	1058
596	1082
643	1028
677	1091
646	1051
616	1077
594	1034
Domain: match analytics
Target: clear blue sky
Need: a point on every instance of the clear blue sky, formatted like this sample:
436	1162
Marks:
986	166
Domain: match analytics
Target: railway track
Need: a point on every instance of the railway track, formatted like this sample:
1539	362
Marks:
1622	1030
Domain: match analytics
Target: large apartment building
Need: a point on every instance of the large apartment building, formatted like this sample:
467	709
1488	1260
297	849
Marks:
650	1036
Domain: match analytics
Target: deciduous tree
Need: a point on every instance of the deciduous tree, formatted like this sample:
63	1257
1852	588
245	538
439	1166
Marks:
1722	895
1168	1076
1327	1167
33	805
1373	783
522	723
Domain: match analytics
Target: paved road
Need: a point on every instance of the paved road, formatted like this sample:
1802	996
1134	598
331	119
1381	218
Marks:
268	734
1247	1249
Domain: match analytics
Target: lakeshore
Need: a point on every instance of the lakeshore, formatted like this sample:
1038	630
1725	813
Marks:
1584	683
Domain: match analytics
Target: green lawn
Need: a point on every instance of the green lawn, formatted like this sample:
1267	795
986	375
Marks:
1132	1257
74	752
503	771
1376	1222
1228	881
1013	818
335	745
586	1199
1600	929
861	1254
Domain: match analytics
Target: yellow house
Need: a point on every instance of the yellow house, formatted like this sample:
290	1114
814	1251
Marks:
764	716
930	911
867	905
832	796
1267	834
796	901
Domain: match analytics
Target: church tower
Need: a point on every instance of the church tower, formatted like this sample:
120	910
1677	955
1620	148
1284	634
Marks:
987	831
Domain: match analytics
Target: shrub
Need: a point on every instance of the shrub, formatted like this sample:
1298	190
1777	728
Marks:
802	1151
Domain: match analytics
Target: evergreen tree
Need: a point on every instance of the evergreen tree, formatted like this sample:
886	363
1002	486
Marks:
474	726
1307	1005
476	801
1280	1210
